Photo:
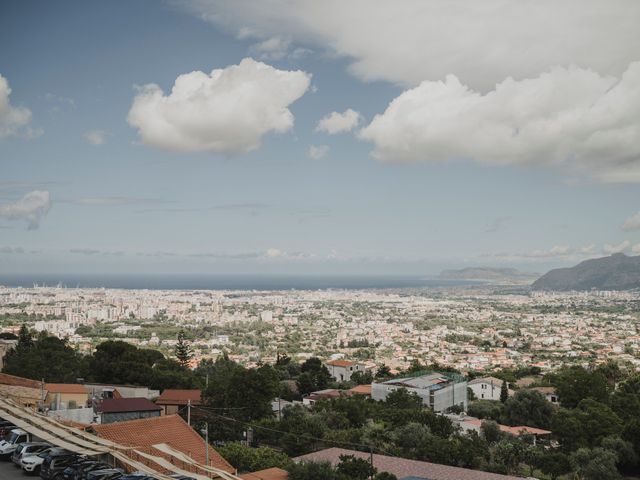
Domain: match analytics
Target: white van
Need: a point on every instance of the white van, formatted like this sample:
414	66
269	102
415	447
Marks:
11	441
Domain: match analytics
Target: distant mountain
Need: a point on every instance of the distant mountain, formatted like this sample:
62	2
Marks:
616	272
488	274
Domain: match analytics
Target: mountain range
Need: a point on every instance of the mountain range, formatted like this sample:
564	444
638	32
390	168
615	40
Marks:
615	272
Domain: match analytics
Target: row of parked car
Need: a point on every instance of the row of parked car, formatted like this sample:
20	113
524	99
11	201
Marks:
55	463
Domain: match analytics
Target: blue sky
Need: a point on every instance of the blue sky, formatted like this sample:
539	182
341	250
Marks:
439	168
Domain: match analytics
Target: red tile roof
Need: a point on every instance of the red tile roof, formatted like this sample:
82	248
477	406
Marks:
169	429
268	474
179	397
65	388
401	467
6	379
135	404
362	390
340	363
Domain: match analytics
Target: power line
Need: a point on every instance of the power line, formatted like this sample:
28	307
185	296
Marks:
299	435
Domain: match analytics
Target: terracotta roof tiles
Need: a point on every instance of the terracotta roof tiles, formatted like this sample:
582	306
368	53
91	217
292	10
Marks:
179	397
169	429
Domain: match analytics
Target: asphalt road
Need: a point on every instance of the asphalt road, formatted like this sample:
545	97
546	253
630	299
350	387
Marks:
9	472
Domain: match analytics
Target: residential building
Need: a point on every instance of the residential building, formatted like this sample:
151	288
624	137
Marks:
123	409
438	391
63	396
274	473
487	388
160	436
173	400
341	370
549	393
404	468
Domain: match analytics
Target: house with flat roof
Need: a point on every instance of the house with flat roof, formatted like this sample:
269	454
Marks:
438	391
123	409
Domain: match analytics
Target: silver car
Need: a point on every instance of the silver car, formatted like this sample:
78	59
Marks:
27	448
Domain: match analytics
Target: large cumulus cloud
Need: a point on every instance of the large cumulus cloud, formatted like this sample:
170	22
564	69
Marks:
569	117
227	111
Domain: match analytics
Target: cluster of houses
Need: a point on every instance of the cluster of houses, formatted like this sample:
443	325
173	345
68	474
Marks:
151	421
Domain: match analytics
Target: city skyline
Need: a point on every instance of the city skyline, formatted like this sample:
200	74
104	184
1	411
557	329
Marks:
287	137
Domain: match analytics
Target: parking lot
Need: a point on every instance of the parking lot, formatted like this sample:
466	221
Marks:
9	472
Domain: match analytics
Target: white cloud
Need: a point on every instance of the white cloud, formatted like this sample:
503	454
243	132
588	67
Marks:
227	111
621	247
274	48
13	120
636	249
414	40
96	137
632	223
339	122
570	118
556	251
277	48
30	208
318	151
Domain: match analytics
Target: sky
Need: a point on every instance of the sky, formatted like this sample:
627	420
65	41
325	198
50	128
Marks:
334	137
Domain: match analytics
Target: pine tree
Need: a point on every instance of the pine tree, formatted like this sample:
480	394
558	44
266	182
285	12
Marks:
183	350
24	338
504	391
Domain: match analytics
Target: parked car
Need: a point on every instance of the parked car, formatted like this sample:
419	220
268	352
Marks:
137	476
107	474
32	462
26	449
55	462
11	442
79	470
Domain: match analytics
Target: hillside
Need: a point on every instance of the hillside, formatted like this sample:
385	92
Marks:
489	274
616	272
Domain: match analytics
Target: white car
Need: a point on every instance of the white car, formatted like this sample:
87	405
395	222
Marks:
32	463
11	441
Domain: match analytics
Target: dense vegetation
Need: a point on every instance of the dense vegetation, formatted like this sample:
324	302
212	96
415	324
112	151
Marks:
596	430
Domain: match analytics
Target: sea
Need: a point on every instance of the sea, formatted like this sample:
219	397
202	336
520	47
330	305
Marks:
227	282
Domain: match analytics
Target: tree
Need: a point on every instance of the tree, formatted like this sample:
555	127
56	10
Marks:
25	340
247	459
402	399
119	362
314	376
586	425
574	384
504	392
486	409
355	468
528	407
553	463
183	350
383	371
595	464
362	378
491	431
49	358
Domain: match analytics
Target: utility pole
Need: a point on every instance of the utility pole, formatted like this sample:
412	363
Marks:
189	412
